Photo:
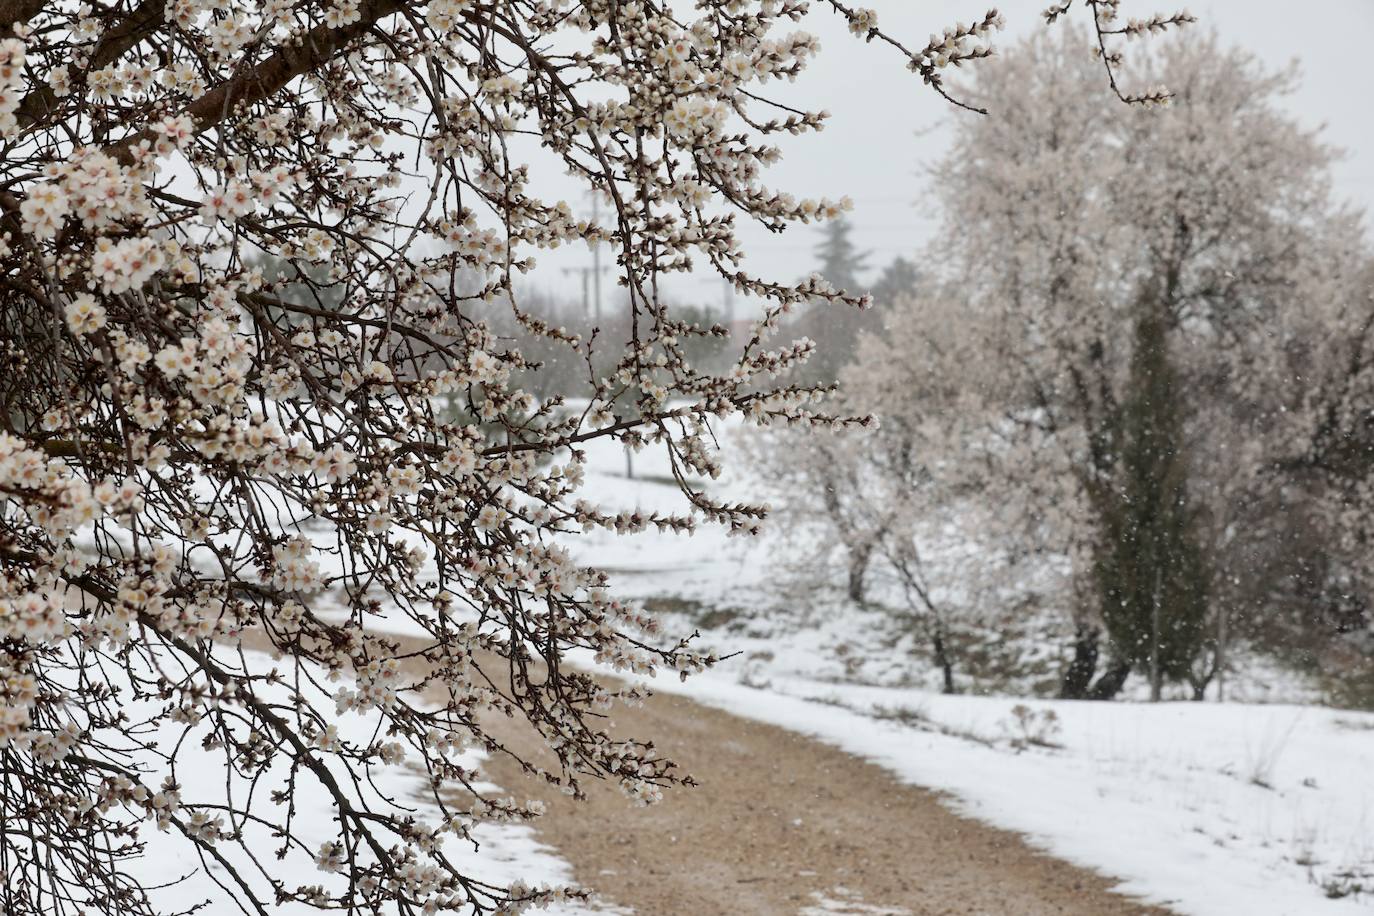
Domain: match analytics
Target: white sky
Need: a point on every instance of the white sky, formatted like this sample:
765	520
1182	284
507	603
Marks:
886	125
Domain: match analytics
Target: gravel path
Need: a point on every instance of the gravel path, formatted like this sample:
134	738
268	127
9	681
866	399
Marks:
782	824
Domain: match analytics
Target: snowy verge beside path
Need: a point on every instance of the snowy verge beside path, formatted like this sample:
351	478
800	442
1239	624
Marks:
505	852
1212	810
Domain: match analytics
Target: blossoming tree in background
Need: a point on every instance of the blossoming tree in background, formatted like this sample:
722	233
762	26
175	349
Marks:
201	456
1177	285
1138	360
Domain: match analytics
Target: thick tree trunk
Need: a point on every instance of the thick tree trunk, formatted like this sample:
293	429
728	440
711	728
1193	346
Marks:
858	570
1111	681
942	659
1199	685
1078	676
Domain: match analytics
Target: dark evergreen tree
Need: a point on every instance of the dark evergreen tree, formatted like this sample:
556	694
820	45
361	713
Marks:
898	279
841	262
1150	566
835	327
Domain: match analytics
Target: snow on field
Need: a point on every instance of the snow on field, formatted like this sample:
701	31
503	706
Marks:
1213	809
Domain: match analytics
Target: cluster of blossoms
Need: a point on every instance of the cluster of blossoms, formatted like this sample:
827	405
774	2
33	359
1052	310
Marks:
84	314
695	118
957	43
11	63
126	264
294	568
256	404
91	186
1106	15
442	15
50	494
33	617
229	203
482	250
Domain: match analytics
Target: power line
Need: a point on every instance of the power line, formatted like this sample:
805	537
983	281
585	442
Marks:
591	276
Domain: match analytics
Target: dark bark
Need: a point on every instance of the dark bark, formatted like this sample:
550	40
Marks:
251	85
13	12
1200	688
942	659
859	558
145	21
1111	681
1078	676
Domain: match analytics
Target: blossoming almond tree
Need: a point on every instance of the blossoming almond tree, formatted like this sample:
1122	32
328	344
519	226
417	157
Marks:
199	454
1173	316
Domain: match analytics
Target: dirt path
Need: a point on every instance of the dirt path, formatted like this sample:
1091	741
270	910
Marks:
785	825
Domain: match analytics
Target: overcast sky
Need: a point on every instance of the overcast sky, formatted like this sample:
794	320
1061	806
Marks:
886	125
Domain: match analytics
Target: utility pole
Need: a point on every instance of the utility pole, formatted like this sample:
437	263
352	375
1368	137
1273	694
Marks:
593	274
596	307
727	301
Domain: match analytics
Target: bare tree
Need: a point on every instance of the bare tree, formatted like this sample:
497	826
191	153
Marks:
933	470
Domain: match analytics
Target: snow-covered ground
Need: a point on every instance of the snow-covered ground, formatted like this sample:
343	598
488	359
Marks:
1263	809
504	853
1214	809
1210	808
